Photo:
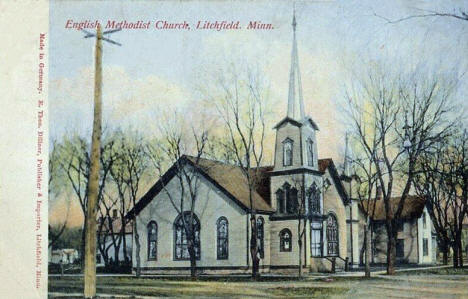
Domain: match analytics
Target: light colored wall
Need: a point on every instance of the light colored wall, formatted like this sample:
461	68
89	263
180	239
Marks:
210	206
425	233
299	135
332	203
288	258
411	243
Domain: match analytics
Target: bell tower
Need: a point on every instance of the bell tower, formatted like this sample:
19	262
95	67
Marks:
296	145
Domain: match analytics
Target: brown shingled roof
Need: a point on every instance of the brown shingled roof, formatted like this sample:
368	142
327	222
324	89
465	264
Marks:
413	207
233	180
228	178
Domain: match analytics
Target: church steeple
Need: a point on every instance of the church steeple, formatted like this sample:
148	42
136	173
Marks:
295	100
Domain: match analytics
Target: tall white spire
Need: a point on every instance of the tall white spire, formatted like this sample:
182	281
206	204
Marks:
295	101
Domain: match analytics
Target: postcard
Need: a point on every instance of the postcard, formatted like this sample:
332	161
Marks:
283	149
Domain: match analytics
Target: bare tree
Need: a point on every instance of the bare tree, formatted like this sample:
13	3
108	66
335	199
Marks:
74	160
172	148
240	99
55	173
409	115
443	182
366	175
461	14
134	164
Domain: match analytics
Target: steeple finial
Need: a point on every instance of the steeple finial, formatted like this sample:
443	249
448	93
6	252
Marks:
295	101
294	18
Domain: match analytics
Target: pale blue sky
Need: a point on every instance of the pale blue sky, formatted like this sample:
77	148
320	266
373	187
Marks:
155	68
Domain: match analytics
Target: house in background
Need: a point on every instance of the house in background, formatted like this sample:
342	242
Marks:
63	256
416	240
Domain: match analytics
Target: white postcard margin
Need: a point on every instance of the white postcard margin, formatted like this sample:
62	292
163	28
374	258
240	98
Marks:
23	149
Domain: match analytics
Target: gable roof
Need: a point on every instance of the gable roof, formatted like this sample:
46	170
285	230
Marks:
229	179
323	165
413	207
297	123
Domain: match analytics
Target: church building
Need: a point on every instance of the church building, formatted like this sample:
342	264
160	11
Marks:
297	181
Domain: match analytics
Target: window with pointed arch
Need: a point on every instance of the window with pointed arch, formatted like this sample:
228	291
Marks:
152	229
285	240
310	152
291	201
181	250
222	231
260	236
280	201
287	152
332	235
313	196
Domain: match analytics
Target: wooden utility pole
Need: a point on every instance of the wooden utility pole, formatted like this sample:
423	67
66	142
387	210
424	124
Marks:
93	180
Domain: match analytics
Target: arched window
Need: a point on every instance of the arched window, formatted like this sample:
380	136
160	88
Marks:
152	240
181	234
280	201
285	240
332	235
310	152
260	236
291	200
314	199
222	231
287	152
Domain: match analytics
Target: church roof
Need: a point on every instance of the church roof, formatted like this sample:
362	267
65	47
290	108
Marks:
323	165
227	178
413	207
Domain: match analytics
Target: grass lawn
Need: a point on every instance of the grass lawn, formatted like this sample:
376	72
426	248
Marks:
429	283
439	271
236	288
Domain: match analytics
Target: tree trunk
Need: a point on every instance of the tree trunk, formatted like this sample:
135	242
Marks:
137	249
460	253
254	247
391	254
455	255
299	242
193	261
82	246
367	240
124	241
445	254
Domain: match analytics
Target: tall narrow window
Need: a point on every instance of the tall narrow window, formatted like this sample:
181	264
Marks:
425	247
287	152
222	230
152	240
285	240
280	201
314	199
260	236
310	152
332	235
181	250
291	201
316	238
424	220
